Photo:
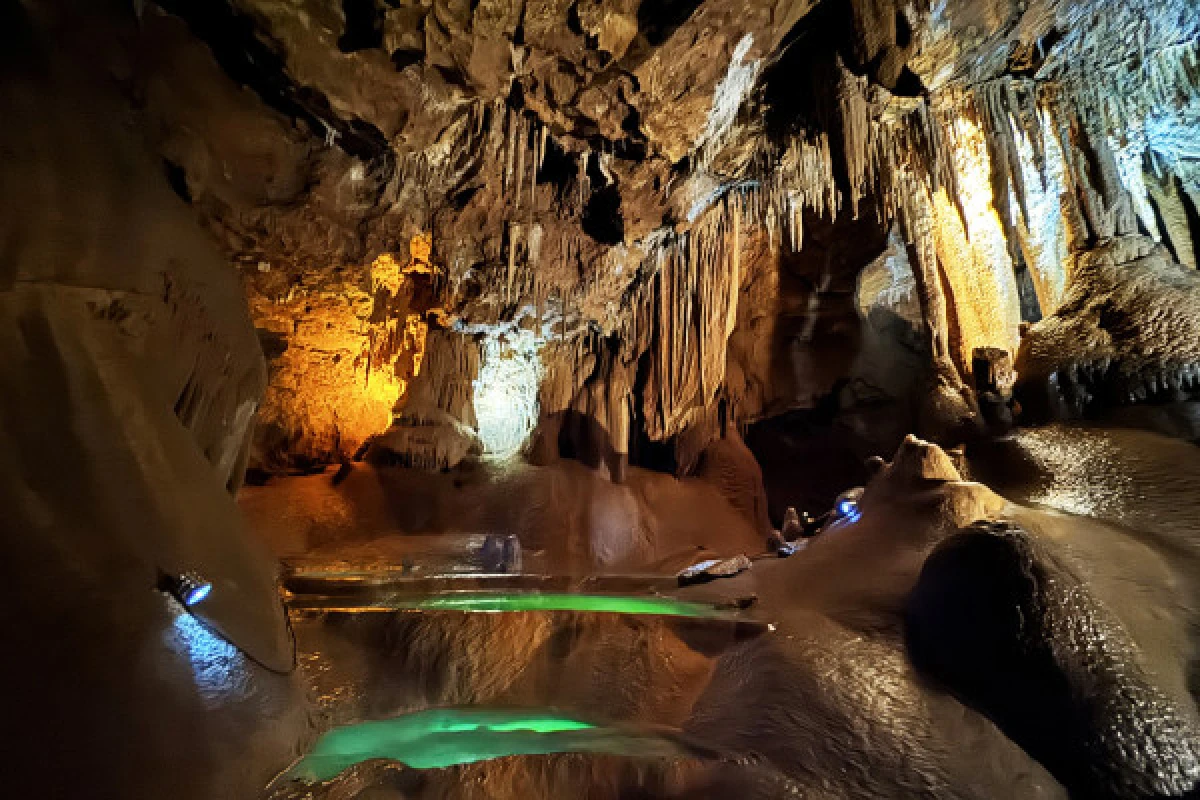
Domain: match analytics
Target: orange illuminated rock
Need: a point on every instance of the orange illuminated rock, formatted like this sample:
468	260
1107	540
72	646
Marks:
347	357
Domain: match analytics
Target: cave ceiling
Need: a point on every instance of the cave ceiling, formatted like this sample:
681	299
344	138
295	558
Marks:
578	171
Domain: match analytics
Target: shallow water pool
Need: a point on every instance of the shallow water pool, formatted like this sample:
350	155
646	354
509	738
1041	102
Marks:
444	737
513	601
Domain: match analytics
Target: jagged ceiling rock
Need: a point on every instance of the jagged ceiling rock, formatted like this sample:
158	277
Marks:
590	171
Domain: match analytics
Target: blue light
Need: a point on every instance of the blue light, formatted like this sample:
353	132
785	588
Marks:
196	593
219	670
847	509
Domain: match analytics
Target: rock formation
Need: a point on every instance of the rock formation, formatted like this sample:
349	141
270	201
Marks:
1125	334
615	185
1004	620
623	279
130	376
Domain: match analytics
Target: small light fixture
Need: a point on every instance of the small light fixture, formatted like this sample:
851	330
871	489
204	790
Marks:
189	588
846	507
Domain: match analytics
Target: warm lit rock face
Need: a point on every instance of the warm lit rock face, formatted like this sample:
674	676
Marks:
342	358
626	201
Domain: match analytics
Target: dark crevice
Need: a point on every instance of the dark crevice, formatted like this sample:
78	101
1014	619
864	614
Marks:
1193	219
273	343
904	30
364	26
1048	42
630	149
909	85
558	168
602	218
1114	320
462	198
453	76
1161	224
255	63
1031	307
574	24
1026	61
516	96
405	57
518	36
177	180
633	147
657	20
644	452
800	85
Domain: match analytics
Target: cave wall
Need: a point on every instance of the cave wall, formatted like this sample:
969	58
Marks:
130	376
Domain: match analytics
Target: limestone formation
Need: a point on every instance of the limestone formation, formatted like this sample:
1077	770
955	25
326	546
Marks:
578	293
1003	619
1127	333
621	180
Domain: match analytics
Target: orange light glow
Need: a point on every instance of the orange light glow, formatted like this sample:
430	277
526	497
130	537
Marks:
350	354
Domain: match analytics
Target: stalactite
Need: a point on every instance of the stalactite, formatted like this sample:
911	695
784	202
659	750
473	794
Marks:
514	235
522	143
510	147
858	132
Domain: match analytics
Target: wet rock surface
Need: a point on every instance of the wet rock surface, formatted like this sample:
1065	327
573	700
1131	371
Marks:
788	709
1004	621
942	666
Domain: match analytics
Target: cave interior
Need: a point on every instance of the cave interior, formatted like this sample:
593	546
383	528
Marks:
601	398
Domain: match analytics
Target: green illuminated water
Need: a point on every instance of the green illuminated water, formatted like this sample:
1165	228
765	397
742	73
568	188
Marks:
563	601
445	737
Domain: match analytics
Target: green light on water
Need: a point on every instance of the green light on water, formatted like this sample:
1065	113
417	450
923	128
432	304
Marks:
445	737
535	601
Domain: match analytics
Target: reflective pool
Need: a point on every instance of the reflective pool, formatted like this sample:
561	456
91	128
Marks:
471	601
538	601
446	737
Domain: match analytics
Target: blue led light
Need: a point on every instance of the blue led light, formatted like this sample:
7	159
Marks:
847	509
195	594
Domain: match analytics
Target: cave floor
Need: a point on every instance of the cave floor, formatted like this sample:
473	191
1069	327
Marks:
815	665
570	520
